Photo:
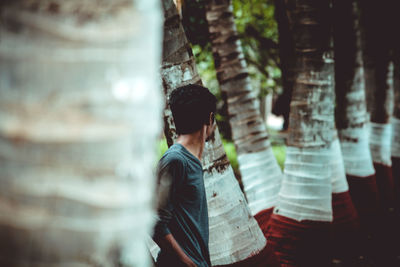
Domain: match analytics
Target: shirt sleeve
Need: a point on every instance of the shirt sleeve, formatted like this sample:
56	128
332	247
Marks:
170	178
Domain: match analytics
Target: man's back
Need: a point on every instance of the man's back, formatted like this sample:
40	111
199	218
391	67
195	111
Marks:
184	214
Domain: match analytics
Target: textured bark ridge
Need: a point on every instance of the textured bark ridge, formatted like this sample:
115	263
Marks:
76	156
234	233
260	171
351	113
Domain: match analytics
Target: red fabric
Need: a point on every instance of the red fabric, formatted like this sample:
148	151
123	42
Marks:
345	229
265	258
384	181
304	243
262	218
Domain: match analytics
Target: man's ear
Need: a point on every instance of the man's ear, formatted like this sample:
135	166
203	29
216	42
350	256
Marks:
211	119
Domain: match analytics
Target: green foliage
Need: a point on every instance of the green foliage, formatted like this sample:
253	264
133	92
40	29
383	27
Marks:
206	69
258	32
162	147
231	153
280	154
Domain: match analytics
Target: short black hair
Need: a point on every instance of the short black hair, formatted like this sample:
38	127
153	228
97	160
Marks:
191	106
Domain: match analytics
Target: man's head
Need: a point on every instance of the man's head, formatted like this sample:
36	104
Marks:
192	106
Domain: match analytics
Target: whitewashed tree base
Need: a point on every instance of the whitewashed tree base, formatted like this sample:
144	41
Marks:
261	177
380	142
339	181
306	192
234	233
395	148
356	154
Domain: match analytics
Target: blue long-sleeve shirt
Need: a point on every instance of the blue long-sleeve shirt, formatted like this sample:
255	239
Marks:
184	213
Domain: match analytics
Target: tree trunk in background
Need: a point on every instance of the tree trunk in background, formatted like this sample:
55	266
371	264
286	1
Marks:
395	147
395	120
80	113
287	62
376	57
235	237
352	119
300	225
375	24
261	174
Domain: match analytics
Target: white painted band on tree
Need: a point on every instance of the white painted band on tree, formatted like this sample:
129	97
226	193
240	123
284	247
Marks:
234	235
355	151
339	182
395	137
379	142
261	177
306	191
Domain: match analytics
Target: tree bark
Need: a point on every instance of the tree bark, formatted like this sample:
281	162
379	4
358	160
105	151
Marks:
235	237
260	172
311	117
300	223
76	155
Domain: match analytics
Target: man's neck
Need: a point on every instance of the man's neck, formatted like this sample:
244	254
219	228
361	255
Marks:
193	142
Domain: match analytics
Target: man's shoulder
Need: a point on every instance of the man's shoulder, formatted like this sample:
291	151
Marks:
173	156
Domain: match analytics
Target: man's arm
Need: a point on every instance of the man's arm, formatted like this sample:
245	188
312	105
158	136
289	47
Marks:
168	243
169	177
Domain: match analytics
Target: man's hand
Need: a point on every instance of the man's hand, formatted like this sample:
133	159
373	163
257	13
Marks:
188	262
168	243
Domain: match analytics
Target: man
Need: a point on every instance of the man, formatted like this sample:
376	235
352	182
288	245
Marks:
182	229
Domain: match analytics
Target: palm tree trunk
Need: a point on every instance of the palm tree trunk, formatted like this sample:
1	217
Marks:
76	82
375	22
300	223
376	58
235	237
395	121
261	175
352	119
395	147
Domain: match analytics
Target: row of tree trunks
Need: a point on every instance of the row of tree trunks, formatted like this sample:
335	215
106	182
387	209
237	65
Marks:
377	40
80	111
314	191
395	146
235	237
260	172
352	121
